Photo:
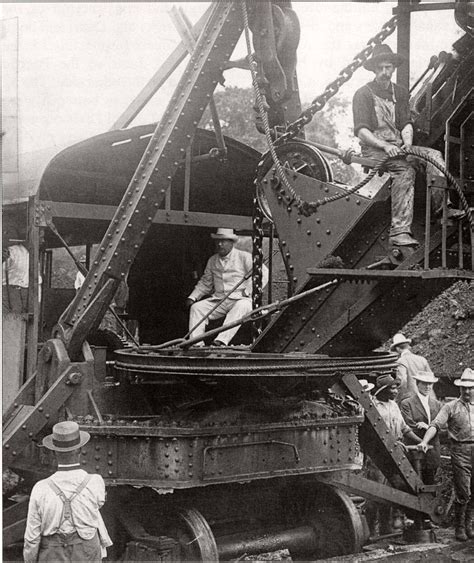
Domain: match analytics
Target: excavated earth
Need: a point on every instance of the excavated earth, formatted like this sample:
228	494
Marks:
444	334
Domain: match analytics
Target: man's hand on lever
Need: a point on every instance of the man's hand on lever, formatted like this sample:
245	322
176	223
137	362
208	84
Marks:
423	447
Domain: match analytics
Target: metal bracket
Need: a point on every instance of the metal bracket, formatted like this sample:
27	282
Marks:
353	483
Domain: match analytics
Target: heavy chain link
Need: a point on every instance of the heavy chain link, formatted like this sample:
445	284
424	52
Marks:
257	261
333	87
263	112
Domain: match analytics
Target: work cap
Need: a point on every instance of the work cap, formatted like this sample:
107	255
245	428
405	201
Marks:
227	234
425	376
466	379
385	380
398	339
66	437
383	53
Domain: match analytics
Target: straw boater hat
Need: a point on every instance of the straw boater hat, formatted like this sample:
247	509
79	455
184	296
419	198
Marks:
383	53
466	379
66	437
425	376
366	385
398	339
227	234
385	380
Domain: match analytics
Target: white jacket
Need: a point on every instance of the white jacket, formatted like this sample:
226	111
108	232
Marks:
222	274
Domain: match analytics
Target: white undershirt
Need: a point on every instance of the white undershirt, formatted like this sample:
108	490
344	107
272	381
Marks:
426	405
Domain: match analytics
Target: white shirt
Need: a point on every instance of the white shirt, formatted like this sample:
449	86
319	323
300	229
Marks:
224	273
45	510
425	402
391	415
17	265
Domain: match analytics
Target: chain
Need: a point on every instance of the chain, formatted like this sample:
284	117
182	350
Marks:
263	112
306	116
257	259
333	87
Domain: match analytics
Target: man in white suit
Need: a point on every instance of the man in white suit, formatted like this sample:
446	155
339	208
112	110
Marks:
224	271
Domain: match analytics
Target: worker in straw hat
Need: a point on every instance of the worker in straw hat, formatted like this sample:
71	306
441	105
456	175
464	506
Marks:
64	523
458	415
220	285
383	124
408	364
418	411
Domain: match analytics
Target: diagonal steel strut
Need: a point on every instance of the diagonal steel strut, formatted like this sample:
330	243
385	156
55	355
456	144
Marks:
153	176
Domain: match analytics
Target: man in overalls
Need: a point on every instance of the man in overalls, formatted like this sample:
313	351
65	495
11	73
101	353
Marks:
64	523
382	122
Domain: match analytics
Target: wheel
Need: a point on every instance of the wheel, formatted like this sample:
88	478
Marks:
297	156
338	524
195	537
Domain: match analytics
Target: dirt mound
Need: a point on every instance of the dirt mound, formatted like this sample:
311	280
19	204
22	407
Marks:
444	331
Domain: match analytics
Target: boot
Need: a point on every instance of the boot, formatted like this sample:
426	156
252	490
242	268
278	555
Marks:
470	520
459	521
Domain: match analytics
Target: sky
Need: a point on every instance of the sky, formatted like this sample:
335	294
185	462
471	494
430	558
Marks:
81	64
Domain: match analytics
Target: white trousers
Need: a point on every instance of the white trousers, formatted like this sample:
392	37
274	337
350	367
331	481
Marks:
231	309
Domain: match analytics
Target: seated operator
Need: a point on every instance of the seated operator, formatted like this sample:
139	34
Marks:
382	122
224	271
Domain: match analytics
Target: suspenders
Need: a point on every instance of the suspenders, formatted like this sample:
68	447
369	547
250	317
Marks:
67	510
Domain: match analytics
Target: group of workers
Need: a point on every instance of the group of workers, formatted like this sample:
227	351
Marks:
408	406
64	522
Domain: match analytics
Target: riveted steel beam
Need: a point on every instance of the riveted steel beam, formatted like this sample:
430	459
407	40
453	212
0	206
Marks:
390	444
356	484
25	421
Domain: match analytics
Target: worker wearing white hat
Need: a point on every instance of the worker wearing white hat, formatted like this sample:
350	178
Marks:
64	523
220	282
418	411
408	364
366	386
458	415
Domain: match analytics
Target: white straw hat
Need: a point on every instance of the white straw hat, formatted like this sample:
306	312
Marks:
227	234
66	437
366	385
466	379
398	339
425	376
